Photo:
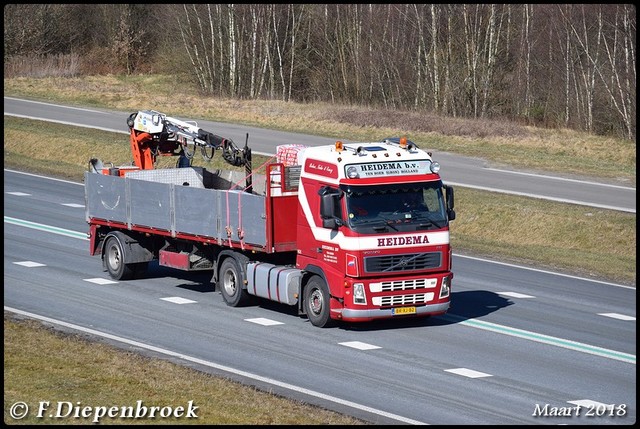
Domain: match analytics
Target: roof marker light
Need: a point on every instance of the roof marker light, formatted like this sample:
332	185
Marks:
339	146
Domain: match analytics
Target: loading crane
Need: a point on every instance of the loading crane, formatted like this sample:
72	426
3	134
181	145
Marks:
152	133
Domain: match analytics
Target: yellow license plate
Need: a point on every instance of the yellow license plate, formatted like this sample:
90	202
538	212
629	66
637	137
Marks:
404	310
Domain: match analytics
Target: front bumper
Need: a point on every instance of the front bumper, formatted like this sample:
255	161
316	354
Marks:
364	315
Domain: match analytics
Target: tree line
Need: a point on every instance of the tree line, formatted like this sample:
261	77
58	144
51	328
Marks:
555	65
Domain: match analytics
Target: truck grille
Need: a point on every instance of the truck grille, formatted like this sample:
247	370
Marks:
397	285
417	299
405	262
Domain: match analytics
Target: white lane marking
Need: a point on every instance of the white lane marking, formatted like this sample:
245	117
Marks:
592	405
540	338
44	177
111	130
543	271
221	368
466	372
360	346
264	322
74	205
544	176
30	264
100	281
178	300
542	197
515	295
617	316
56	105
19	194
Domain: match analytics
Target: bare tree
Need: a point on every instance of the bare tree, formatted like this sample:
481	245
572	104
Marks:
618	83
569	65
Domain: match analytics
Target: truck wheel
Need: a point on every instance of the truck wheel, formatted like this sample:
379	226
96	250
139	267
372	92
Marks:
316	301
230	282
114	257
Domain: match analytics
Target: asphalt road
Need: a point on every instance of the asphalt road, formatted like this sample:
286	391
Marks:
519	345
456	170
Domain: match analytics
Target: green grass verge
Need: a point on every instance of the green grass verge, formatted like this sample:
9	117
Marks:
70	370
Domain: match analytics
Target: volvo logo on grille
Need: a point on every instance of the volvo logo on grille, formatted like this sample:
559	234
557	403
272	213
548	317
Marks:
403	262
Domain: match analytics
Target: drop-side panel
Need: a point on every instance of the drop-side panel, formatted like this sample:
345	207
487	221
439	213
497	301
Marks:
178	208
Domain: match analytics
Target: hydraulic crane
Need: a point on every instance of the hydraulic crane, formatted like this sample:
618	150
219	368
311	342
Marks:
153	133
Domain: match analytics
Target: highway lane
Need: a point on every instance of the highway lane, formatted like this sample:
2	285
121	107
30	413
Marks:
514	339
456	170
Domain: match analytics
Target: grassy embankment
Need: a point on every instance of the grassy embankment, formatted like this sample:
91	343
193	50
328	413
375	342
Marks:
590	242
42	364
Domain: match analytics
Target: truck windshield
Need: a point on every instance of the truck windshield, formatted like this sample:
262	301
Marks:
399	207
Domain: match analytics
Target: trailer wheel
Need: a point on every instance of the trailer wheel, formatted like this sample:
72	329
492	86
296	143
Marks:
316	301
230	282
114	257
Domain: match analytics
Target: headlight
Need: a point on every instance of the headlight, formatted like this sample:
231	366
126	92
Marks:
445	290
359	296
435	166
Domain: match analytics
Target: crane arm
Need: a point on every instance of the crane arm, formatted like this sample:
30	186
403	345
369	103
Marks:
152	133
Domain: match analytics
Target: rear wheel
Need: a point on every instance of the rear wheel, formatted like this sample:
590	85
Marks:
231	282
316	301
114	257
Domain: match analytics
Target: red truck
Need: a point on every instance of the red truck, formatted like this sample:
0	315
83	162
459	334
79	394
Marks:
345	232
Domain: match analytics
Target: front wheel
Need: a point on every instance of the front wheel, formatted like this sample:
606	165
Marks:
316	301
230	281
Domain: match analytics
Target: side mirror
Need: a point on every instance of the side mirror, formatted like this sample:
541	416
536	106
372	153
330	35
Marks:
330	208
327	206
449	196
451	213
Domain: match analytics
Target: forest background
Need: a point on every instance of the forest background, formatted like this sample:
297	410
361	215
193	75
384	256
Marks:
550	65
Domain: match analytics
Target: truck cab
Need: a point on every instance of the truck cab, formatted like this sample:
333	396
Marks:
373	232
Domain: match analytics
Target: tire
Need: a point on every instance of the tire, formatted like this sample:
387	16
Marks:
230	282
114	257
316	303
